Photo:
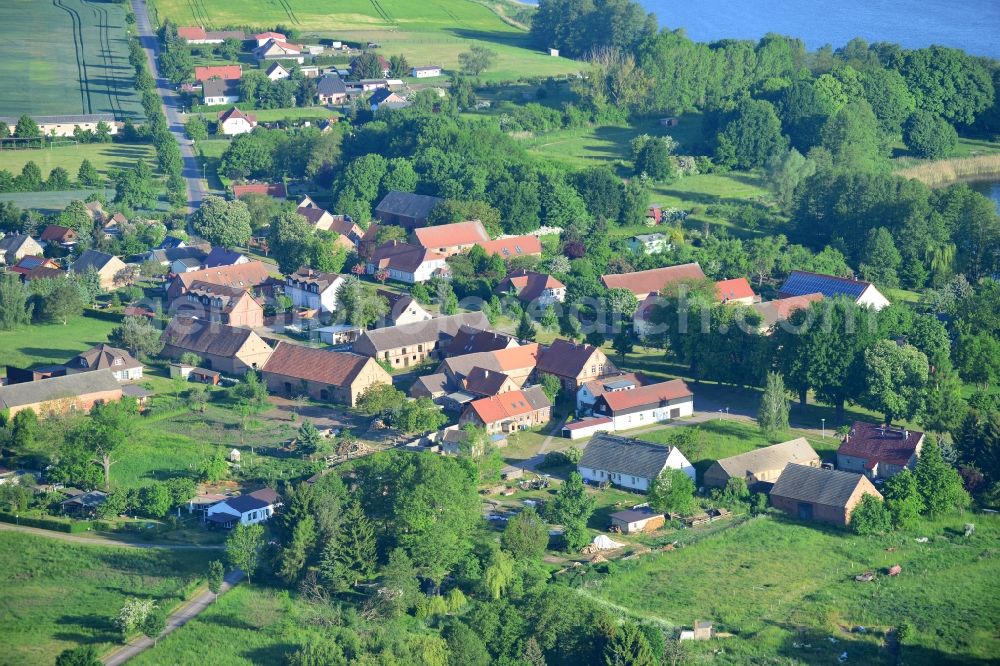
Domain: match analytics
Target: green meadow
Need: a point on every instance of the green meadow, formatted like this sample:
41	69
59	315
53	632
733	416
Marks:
55	595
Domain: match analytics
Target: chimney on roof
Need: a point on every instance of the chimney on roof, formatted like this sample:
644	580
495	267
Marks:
906	434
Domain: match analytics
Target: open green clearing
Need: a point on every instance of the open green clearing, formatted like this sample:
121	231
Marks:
104	156
782	585
51	202
77	62
48	344
429	32
57	595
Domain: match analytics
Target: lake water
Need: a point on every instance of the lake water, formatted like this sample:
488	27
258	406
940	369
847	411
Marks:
972	25
990	189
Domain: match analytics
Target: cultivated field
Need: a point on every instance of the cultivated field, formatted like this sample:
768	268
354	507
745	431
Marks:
104	156
57	596
65	57
429	32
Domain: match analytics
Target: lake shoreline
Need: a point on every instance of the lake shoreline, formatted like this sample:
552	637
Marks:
957	169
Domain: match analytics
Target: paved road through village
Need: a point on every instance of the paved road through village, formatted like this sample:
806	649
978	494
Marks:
196	186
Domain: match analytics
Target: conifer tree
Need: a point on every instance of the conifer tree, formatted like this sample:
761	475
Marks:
349	557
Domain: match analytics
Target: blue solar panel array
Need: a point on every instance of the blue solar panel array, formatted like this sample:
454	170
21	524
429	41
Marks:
799	284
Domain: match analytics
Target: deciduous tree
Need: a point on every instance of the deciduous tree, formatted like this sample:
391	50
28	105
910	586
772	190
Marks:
243	547
672	491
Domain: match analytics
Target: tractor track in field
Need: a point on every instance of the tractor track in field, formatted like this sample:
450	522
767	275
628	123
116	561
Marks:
288	10
81	63
109	66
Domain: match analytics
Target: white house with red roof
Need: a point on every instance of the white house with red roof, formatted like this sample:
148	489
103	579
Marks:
643	283
234	121
406	263
654	403
737	290
451	239
509	412
264	37
515	246
529	286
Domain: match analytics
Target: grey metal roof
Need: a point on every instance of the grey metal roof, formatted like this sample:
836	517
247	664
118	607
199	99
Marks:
633	515
57	388
624	455
769	458
819	486
405	204
221	88
431	330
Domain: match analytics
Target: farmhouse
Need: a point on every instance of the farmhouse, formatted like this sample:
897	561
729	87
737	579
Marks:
322	220
532	287
244	276
220	256
450	239
264	37
107	266
405	210
509	412
234	121
643	283
313	289
800	283
67	125
737	290
627	462
329	376
826	495
649	244
879	451
223	72
518	363
177	257
483	382
406	263
15	247
255	507
588	393
632	521
403	309
331	90
388	99
105	357
653	403
274	190
430	386
574	364
224	348
232	306
516	246
276	72
58	235
470	340
774	312
221	91
274	49
32	267
426	72
760	468
59	395
409	344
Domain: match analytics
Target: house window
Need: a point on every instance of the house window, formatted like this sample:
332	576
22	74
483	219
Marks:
633	479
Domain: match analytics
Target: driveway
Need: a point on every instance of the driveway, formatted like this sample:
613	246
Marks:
196	187
177	619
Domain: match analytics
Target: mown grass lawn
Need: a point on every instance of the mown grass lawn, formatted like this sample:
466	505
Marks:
104	156
50	344
55	596
784	588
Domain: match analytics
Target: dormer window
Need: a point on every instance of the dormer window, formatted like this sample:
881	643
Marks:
118	361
